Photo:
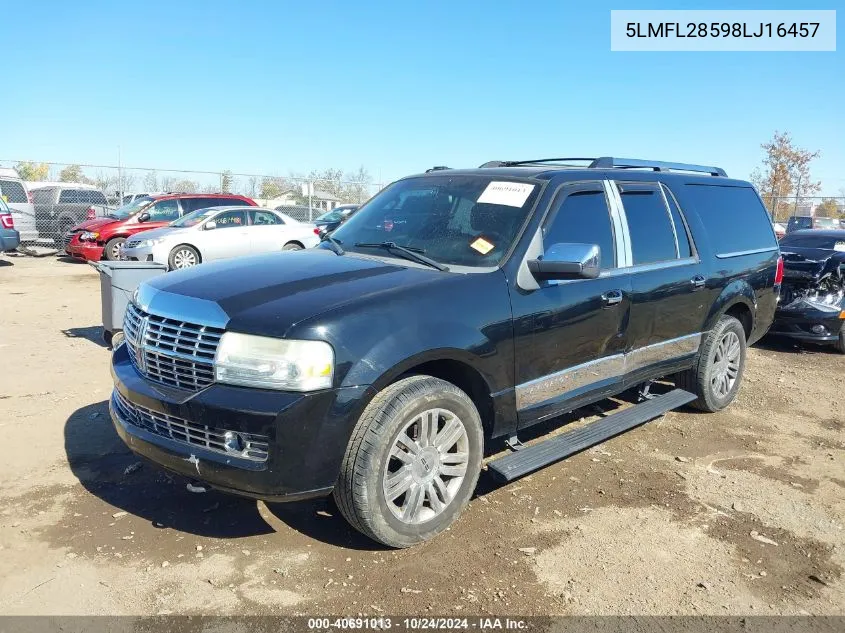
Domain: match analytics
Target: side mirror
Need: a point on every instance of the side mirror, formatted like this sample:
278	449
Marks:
567	261
211	224
144	217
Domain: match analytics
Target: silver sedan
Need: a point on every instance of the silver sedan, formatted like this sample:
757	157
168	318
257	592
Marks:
219	233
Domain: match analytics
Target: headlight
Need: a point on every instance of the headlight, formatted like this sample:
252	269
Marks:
272	363
149	243
88	236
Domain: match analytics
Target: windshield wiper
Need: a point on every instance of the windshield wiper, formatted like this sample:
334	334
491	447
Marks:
414	254
334	244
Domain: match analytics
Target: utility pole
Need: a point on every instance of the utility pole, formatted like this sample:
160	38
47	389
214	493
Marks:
797	193
119	179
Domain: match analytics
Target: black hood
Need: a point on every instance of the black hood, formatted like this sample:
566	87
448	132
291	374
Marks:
267	294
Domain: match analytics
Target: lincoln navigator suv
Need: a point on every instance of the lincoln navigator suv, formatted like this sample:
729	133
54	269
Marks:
453	311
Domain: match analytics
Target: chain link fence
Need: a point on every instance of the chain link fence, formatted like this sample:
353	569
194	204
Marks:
47	198
781	208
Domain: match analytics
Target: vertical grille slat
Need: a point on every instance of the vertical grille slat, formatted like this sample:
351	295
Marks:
171	352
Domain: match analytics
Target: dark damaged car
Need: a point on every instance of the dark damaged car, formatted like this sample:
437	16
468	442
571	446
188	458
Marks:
812	299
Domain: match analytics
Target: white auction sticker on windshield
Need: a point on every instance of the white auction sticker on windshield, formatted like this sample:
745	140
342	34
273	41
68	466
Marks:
512	194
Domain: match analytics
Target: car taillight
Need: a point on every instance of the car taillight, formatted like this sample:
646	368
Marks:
7	221
779	272
316	231
92	213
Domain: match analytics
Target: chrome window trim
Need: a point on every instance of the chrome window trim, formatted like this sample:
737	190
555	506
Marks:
555	385
668	193
671	219
617	210
753	251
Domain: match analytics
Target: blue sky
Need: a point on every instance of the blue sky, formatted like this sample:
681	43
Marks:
273	87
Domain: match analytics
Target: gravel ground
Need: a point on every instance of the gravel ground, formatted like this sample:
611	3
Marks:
739	512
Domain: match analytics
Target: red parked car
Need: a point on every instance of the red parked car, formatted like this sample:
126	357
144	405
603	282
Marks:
101	238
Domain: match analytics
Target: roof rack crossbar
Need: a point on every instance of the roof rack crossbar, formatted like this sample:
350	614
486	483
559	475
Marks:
608	162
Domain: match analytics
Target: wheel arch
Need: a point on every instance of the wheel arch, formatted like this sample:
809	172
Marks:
452	365
736	300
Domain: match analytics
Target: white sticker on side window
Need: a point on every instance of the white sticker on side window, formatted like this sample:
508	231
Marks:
512	194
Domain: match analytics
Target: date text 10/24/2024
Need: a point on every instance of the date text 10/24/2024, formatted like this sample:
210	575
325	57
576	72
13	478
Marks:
721	29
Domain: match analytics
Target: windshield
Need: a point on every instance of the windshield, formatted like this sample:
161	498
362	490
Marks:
130	209
194	218
331	216
454	220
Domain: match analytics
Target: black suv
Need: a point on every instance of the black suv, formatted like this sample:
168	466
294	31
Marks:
452	311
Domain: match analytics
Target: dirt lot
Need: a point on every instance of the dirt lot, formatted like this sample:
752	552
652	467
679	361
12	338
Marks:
740	512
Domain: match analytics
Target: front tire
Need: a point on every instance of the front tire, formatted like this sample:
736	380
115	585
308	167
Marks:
292	246
183	256
840	344
718	374
112	250
412	463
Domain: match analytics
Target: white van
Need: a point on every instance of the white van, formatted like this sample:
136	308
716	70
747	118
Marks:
14	192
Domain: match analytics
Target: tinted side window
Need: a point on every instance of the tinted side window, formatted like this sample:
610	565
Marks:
42	196
684	246
734	217
809	241
229	219
649	223
13	191
264	218
164	211
233	202
98	197
70	196
583	217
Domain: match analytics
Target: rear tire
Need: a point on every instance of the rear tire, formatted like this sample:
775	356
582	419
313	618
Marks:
717	376
112	250
292	246
183	256
412	463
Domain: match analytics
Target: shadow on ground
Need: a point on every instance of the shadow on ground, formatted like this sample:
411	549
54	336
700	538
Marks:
93	333
111	472
5	262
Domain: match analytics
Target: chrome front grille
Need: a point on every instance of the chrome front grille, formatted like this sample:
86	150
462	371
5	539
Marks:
169	351
234	443
67	238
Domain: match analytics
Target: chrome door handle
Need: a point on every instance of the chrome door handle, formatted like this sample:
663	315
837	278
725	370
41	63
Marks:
698	282
612	297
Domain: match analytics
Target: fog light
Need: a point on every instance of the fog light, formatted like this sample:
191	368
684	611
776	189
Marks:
819	329
233	442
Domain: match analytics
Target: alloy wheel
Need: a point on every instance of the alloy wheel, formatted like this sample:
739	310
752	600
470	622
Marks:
726	360
184	258
426	466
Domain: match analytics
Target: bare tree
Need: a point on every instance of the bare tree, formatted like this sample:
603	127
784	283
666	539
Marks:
785	173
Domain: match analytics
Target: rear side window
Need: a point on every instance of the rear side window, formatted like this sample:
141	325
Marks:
68	196
649	223
583	217
734	217
264	218
42	196
98	197
13	191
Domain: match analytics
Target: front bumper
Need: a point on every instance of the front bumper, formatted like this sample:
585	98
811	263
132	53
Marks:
307	433
807	325
89	251
139	254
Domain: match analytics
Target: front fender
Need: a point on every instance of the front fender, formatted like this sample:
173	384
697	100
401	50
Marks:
408	347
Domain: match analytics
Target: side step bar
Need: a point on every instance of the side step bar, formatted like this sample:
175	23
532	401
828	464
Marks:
534	457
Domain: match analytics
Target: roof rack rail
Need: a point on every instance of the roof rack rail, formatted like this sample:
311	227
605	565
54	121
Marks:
538	161
608	162
437	168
